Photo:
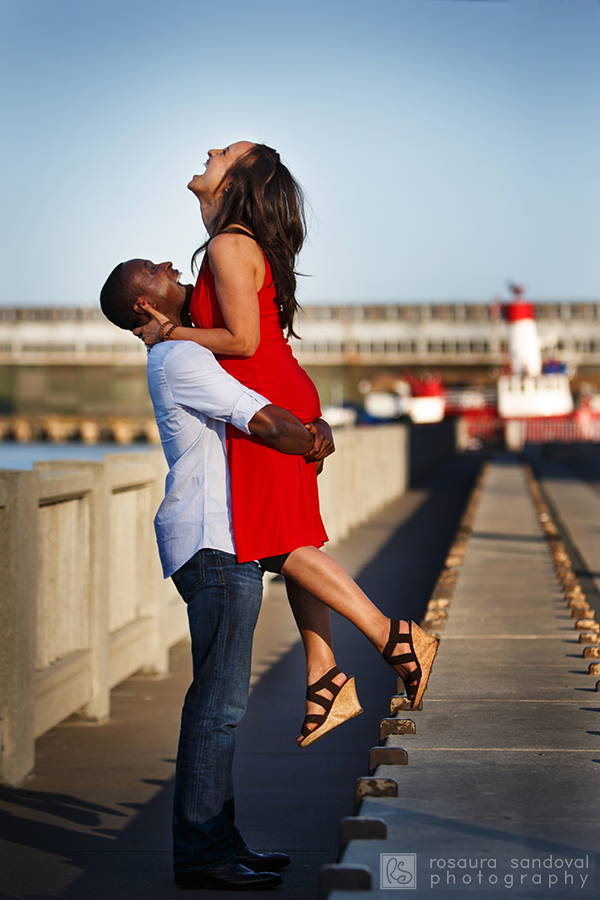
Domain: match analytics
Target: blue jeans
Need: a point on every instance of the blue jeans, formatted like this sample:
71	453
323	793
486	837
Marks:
223	599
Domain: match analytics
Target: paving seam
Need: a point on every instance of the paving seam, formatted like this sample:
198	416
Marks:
375	806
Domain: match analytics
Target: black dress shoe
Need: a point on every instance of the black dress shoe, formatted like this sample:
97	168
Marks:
263	862
230	877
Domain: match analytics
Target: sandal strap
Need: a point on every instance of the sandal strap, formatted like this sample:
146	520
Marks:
325	683
398	637
325	702
401	658
411	679
312	719
316	718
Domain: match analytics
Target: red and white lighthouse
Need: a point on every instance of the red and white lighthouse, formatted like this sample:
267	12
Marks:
526	393
523	338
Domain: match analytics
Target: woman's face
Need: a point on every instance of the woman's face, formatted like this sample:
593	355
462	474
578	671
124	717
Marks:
211	182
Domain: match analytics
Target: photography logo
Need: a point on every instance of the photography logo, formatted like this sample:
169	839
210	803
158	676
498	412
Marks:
399	871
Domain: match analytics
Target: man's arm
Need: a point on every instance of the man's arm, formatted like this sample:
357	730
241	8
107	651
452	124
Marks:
197	381
281	430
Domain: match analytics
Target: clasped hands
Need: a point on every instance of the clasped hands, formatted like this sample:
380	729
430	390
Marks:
323	445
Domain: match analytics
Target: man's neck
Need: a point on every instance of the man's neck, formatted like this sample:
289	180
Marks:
184	313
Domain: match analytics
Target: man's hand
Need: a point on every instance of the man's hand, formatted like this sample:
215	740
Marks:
323	445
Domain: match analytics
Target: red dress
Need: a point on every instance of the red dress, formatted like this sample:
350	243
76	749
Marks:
274	497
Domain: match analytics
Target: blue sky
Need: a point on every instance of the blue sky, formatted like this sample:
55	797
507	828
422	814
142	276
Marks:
446	146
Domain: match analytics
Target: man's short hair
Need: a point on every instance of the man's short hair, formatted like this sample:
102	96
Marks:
118	297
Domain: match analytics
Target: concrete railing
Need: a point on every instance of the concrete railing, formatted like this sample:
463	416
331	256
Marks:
83	603
369	468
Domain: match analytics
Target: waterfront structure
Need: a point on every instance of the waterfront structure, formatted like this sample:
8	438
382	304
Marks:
442	334
346	349
65	336
527	391
423	334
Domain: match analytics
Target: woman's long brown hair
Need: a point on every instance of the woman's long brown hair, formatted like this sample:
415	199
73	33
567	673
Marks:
263	196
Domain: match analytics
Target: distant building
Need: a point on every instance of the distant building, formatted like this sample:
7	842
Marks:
424	334
440	334
72	360
65	336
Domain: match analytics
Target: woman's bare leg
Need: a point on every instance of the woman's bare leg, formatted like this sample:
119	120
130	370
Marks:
322	584
314	624
327	581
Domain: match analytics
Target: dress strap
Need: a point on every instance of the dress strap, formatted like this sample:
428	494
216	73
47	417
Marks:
232	229
236	229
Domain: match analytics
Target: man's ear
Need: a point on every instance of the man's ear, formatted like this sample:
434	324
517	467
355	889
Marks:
138	308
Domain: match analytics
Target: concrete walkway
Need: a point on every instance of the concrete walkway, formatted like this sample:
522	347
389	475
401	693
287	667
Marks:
502	788
93	823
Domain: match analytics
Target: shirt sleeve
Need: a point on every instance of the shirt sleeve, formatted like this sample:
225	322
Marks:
198	382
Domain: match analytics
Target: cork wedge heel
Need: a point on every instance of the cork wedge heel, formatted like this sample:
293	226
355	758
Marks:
340	708
423	648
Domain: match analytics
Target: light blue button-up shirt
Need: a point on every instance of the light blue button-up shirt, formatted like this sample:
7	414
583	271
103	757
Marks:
193	398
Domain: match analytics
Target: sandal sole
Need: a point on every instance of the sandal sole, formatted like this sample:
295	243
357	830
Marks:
345	706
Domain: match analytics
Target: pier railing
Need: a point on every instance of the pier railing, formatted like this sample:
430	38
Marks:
84	604
369	468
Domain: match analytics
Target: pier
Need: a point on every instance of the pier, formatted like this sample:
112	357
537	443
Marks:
499	785
499	556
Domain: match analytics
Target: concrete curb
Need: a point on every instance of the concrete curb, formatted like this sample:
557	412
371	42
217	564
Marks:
585	618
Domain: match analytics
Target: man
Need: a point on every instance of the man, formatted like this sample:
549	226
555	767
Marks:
193	398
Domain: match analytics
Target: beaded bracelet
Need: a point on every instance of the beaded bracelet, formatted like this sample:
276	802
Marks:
169	332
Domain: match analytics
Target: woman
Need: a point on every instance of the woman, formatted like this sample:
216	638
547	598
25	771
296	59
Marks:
243	302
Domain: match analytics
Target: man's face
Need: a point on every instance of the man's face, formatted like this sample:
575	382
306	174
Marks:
159	285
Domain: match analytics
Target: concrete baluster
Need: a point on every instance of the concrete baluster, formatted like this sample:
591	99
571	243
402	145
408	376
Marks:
18	573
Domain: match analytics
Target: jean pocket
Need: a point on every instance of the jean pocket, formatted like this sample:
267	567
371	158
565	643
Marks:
190	576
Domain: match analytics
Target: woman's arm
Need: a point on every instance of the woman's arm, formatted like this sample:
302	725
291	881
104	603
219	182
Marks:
238	268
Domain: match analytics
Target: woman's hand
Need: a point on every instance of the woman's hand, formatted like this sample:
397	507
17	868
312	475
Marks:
150	331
